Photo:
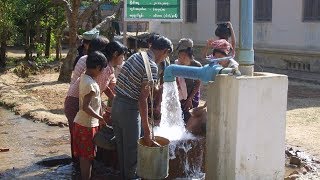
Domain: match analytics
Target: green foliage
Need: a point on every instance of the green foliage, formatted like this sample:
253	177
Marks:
39	48
42	61
7	15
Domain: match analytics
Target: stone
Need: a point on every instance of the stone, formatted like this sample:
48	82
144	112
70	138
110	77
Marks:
292	177
294	172
308	168
290	152
303	171
295	160
55	161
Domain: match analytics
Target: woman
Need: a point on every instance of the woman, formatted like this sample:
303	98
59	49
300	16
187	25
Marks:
221	49
189	89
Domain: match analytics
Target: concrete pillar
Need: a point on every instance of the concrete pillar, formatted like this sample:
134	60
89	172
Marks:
246	53
246	127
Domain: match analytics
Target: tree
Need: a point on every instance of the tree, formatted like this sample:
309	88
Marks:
74	20
7	26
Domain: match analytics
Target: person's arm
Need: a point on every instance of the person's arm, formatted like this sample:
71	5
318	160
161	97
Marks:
233	39
188	103
158	98
88	109
204	53
143	109
109	92
79	69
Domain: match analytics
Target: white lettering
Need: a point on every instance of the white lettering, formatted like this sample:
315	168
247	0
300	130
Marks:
161	3
133	2
157	16
158	9
138	9
139	15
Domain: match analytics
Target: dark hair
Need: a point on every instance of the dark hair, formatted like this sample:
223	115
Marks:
152	37
162	43
113	47
86	41
97	44
214	51
96	59
189	52
222	31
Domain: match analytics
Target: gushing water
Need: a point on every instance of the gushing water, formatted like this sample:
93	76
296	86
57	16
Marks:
173	128
172	124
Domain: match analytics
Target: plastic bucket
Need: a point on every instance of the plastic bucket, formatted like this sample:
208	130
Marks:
153	162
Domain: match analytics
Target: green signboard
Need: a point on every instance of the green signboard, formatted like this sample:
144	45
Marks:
146	10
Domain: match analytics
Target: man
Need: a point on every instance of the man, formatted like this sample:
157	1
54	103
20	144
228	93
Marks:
130	106
86	39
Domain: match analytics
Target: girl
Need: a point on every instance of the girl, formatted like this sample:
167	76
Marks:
221	49
89	117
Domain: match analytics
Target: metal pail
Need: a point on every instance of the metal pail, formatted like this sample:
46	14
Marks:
153	162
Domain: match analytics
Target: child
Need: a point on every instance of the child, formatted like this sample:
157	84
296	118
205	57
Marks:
87	120
189	89
223	31
222	48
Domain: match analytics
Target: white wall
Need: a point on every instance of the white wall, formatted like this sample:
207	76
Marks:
246	127
286	31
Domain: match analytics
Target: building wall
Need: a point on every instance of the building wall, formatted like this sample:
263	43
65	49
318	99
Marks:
274	42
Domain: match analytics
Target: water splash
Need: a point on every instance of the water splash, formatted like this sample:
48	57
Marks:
173	128
172	124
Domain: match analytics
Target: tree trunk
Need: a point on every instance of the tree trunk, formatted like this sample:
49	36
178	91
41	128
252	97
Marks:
27	45
38	33
58	47
66	68
3	50
48	38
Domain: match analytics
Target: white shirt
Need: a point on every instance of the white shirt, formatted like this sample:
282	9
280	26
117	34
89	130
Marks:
87	84
233	63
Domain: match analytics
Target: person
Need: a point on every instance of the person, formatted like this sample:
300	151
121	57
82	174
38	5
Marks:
104	80
223	31
130	107
157	96
221	49
83	48
89	116
115	53
189	89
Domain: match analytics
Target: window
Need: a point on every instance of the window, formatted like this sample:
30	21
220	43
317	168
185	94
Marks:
311	10
263	10
223	10
191	10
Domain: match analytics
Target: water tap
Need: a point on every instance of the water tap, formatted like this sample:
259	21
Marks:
235	72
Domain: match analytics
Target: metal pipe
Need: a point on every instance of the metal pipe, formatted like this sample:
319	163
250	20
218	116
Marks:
246	52
205	74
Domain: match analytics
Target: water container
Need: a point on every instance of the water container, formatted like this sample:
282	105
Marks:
153	162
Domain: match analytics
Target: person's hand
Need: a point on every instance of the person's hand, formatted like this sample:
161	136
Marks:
209	42
147	140
229	25
101	121
188	104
